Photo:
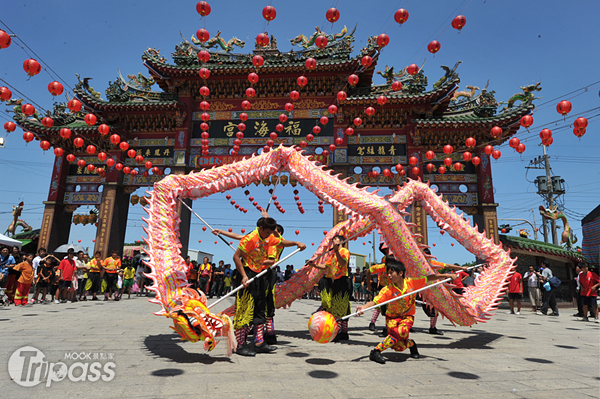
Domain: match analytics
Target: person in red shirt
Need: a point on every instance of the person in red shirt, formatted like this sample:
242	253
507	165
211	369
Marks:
589	282
66	268
515	291
400	314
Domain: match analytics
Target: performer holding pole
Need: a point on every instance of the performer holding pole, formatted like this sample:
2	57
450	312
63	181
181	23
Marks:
400	312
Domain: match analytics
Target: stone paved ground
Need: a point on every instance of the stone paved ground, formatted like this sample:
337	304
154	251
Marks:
511	356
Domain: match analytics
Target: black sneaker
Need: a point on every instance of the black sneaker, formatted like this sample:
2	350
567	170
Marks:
245	350
435	331
343	336
376	357
383	332
264	348
372	326
95	299
271	339
414	352
553	314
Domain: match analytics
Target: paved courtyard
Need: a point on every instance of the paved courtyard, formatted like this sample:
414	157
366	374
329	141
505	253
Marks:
137	355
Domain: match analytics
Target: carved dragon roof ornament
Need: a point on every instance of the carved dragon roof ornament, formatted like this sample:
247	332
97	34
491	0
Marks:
307	42
218	41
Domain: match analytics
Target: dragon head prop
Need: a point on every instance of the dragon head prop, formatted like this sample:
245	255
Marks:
193	321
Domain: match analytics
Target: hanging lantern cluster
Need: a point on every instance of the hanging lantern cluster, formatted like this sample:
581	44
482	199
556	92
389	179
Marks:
298	203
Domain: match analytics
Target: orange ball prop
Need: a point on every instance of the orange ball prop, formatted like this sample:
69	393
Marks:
322	327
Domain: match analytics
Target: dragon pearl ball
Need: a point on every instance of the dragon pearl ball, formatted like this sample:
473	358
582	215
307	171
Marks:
322	327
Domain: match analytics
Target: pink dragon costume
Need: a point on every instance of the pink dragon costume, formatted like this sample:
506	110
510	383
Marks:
367	211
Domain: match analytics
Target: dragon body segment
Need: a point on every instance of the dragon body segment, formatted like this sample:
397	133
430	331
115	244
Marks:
366	209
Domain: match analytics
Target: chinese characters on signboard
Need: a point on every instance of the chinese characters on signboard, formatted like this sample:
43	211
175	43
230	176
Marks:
377	150
262	128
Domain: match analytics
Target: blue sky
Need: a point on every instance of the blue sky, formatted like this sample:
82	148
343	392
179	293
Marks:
511	43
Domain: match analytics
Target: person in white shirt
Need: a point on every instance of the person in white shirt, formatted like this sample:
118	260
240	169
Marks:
36	261
533	286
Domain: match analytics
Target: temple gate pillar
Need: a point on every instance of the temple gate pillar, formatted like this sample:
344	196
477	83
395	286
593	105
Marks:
186	219
418	216
112	220
486	217
56	222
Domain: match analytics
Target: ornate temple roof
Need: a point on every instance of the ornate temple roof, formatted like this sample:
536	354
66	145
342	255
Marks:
525	244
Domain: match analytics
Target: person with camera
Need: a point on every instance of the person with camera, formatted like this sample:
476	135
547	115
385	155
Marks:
533	287
549	291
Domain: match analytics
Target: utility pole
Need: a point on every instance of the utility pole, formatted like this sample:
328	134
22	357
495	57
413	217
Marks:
548	187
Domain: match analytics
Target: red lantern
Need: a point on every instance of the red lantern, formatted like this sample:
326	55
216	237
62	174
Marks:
341	96
415	171
205	116
100	171
514	142
496	132
448	161
434	46
324	120
358	121
32	67
283	118
321	41
381	100
65	133
269	13
5	93
47	121
294	95
332	109
204	105
316	129
91	167
488	150
579	132
350	131
204	91
289	107
81	163
110	162
202	35
412	69
398	168
253	77
102	156
203	56
246	105
28	109
258	61
126	170
352	80
383	40
467	156
139	159
332	147
581	123
115	139
448	149
496	154
302	81
90	119
441	170
430	167
310	64
332	15
430	155
74	105
564	107
203	8
91	149
470	142
370	111
366	61
526	121
325	153
45	145
339	141
397	85
546	134
476	161
458	166
386	173
124	146
279	127
413	160
204	73
78	142
55	88
71	158
133	173
103	129
5	39
10	127
148	165
262	40
401	16
131	153
250	92
520	148
310	137
459	22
